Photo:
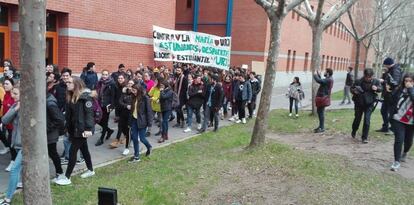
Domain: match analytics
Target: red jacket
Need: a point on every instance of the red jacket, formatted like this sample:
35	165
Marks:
8	101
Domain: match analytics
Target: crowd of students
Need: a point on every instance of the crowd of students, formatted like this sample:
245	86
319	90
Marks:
139	98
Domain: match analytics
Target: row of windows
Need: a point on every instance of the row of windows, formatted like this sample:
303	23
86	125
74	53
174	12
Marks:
337	29
336	63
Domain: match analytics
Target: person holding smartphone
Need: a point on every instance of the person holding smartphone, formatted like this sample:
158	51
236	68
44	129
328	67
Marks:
79	123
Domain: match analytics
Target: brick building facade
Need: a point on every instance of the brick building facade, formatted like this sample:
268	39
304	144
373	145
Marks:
112	32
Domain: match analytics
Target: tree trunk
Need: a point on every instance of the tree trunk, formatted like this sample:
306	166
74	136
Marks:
358	53
260	126
317	32
32	27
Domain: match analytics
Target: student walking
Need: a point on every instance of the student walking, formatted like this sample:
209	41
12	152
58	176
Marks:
125	103
295	93
79	123
166	98
347	88
242	96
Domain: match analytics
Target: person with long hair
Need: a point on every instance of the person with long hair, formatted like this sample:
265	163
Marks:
227	89
294	94
125	103
120	84
7	128
403	120
154	95
166	97
79	124
106	96
141	120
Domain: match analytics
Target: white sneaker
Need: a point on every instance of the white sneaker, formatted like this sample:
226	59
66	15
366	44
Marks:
187	130
297	115
20	185
395	166
290	114
87	174
244	120
125	152
238	121
63	181
59	177
199	126
233	118
4	151
8	168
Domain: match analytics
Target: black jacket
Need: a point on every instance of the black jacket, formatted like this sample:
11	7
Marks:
216	96
55	120
124	101
349	79
60	95
363	95
117	97
166	98
80	115
392	78
106	93
256	87
144	114
184	86
196	95
325	87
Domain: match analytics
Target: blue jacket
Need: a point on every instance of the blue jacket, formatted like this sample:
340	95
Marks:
90	78
243	91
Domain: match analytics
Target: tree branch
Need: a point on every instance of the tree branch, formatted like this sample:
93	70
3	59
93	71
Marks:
335	13
303	14
355	32
293	4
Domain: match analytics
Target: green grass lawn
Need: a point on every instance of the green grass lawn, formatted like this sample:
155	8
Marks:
338	95
189	172
338	121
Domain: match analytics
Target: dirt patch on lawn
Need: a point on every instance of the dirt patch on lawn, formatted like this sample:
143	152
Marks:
242	185
375	155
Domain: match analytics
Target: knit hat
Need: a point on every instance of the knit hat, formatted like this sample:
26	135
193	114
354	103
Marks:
388	61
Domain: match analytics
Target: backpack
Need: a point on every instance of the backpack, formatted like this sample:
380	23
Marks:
97	111
175	100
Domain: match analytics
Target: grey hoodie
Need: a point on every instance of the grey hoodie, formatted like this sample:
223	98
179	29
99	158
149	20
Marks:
13	115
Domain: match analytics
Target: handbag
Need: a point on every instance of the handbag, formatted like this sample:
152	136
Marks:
323	101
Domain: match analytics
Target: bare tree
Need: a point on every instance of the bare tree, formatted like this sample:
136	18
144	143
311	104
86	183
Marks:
369	24
32	26
319	22
276	11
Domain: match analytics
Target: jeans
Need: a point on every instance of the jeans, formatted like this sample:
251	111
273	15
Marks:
225	106
386	110
14	175
321	116
82	145
164	124
241	105
367	111
347	91
190	112
403	135
53	154
207	112
291	101
141	133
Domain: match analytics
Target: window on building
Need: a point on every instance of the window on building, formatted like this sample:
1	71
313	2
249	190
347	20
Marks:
4	16
297	17
327	62
323	62
306	61
50	22
334	29
293	61
189	4
332	60
288	61
330	29
293	15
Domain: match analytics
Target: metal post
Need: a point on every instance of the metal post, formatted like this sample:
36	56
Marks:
229	17
195	14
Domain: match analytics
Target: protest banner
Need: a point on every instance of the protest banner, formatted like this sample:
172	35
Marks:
191	47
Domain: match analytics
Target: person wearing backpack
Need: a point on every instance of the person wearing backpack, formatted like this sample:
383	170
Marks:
166	98
141	120
79	124
55	122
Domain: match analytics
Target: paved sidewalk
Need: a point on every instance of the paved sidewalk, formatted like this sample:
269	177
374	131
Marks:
102	155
